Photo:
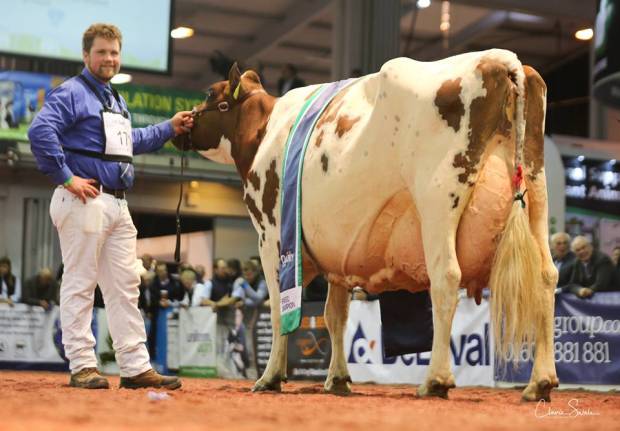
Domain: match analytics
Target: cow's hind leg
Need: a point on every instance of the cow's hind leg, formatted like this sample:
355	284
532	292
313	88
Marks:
336	314
445	275
544	376
275	372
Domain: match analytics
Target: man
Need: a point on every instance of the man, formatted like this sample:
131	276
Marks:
592	272
563	258
289	79
83	140
10	287
41	290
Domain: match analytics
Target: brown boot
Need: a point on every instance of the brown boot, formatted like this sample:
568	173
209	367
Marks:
88	378
151	379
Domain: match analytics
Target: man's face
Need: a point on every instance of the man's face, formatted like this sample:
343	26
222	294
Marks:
104	58
162	272
221	269
583	251
560	247
249	274
4	269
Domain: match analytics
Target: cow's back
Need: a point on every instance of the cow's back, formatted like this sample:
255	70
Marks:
378	141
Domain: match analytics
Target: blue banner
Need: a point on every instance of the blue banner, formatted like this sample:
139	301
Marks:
586	341
291	276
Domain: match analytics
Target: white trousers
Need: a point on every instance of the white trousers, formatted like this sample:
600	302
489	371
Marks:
98	244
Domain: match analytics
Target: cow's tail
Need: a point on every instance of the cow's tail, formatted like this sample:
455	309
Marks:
516	304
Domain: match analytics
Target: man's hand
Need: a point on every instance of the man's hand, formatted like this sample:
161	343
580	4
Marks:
83	188
43	303
585	292
182	122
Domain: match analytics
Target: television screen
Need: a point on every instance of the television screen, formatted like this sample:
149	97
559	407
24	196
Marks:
53	29
607	51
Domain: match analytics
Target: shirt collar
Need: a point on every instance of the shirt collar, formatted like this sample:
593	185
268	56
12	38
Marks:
98	84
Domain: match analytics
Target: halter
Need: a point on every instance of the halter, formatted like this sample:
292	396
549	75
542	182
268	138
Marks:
223	106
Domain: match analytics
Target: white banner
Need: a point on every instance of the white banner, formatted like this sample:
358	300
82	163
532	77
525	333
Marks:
470	345
29	334
104	350
197	336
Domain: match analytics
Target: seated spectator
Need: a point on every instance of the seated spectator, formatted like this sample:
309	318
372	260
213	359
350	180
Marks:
10	286
41	290
563	257
592	272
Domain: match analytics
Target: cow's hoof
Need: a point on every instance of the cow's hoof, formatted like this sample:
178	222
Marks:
541	390
338	385
435	388
267	386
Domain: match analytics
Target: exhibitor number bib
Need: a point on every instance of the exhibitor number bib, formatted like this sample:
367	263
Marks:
117	130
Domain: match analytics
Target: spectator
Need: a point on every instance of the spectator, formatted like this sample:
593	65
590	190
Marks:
592	272
563	257
10	287
254	289
41	290
200	273
166	286
161	291
289	79
148	262
144	300
188	282
615	258
215	292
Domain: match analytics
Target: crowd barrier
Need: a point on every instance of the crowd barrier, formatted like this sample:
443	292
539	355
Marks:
192	343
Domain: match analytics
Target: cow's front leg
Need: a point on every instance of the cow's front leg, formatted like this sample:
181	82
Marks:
336	314
445	276
275	372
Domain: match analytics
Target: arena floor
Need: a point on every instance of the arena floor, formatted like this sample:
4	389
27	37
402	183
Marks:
43	401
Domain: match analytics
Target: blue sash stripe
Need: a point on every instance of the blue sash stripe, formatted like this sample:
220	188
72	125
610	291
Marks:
291	276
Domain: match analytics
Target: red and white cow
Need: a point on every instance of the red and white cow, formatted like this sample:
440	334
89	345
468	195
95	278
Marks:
407	185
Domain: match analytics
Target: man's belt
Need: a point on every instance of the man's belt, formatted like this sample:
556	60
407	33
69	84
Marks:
117	193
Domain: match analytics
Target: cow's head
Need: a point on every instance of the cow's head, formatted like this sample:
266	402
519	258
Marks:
217	124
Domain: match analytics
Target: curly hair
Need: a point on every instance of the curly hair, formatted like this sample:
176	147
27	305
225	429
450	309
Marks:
106	31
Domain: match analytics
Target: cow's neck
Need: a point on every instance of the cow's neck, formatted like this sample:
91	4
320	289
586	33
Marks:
250	131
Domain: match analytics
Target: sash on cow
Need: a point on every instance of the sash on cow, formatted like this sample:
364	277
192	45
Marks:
291	275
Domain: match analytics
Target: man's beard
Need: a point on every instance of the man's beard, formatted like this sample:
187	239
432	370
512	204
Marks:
103	74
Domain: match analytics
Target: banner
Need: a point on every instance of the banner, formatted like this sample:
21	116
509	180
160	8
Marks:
104	350
262	334
470	347
197	335
30	338
587	342
309	347
22	95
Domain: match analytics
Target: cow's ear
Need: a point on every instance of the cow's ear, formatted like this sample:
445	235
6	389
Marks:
234	80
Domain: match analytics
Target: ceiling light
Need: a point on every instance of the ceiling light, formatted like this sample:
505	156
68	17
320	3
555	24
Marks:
584	34
121	78
423	4
182	32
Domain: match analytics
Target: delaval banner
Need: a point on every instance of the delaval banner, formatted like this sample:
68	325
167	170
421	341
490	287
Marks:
470	346
587	341
30	338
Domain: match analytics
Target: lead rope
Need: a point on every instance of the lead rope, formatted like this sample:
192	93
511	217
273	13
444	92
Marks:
177	248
